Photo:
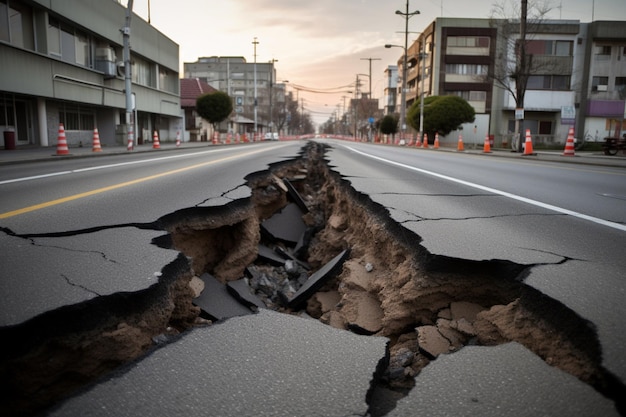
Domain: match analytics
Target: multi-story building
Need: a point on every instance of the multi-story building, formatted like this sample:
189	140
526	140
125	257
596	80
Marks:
555	60
602	92
576	76
257	97
391	89
62	63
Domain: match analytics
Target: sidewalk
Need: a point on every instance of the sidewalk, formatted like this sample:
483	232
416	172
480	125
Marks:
36	153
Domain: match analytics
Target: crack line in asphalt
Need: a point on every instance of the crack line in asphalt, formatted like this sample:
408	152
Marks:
82	287
495	216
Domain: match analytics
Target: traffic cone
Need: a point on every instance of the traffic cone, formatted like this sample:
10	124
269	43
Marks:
155	141
418	141
62	148
215	138
425	141
487	145
130	144
177	138
436	140
569	145
96	141
460	146
528	144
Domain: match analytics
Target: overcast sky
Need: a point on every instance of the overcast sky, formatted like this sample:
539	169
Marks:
321	43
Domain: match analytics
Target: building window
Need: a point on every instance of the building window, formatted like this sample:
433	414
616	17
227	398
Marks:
77	119
143	72
69	44
469	41
602	53
548	82
168	81
550	47
470	95
467	69
16	24
599	83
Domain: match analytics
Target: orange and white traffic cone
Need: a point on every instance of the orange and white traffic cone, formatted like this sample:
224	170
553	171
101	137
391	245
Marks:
528	144
177	138
459	146
96	141
155	141
487	145
418	141
62	148
130	144
425	141
569	145
436	146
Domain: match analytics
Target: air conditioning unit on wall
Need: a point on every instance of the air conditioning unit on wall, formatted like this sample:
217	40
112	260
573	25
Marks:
105	61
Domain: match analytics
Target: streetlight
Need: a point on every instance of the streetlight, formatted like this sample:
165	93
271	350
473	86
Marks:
273	61
255	43
406	16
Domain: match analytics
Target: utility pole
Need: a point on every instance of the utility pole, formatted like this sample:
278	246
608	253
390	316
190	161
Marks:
271	83
255	43
128	74
407	15
370	60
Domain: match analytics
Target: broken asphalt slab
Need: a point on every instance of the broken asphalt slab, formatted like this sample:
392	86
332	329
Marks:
315	281
504	380
264	364
78	268
286	225
217	302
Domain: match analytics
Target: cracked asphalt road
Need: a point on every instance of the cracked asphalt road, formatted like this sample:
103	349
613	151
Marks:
575	262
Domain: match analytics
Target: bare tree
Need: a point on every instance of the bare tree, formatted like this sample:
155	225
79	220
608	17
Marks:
512	74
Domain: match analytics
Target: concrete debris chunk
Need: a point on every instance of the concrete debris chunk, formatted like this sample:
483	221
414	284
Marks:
286	225
431	342
363	312
242	291
295	196
271	256
280	183
318	279
216	302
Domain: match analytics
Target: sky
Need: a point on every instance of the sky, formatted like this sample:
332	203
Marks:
324	44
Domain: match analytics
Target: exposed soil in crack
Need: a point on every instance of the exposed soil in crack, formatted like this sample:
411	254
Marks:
389	286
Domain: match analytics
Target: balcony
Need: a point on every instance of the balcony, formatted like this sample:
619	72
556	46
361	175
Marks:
542	100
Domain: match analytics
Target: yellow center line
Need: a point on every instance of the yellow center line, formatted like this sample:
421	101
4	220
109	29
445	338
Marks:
120	185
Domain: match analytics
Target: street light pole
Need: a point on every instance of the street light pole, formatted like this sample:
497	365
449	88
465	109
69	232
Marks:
423	58
406	16
255	43
273	61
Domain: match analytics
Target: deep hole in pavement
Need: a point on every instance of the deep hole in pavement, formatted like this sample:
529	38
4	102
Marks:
388	285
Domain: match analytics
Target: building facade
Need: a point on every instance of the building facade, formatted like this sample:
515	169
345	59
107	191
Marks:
62	63
576	77
602	93
391	89
257	97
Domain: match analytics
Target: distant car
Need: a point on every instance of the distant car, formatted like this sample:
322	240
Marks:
271	136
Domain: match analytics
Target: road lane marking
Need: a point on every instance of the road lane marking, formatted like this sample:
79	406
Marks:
557	209
121	185
143	161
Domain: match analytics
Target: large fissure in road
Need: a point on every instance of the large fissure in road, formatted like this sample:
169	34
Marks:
380	282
